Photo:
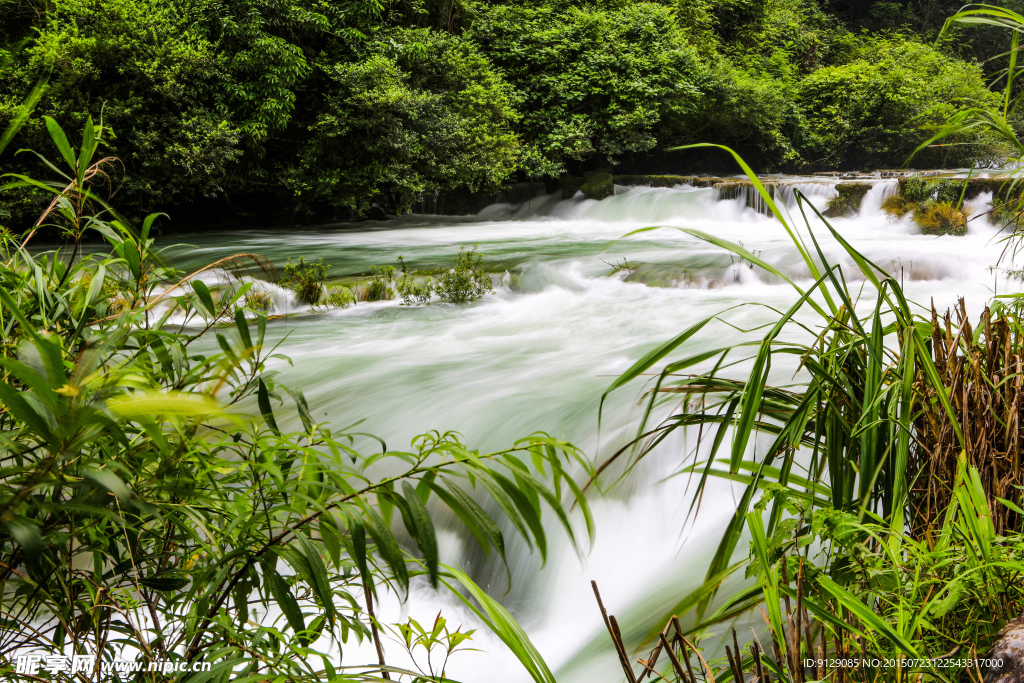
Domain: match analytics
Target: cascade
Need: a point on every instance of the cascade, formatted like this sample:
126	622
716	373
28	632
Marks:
580	303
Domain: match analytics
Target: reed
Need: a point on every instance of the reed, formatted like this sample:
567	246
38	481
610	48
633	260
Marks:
982	368
852	601
842	434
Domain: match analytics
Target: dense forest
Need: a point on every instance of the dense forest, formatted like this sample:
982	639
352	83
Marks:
322	109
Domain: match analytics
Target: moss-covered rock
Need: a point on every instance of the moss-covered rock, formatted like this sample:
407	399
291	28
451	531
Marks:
940	218
848	200
744	189
598	186
570	186
666	180
999	187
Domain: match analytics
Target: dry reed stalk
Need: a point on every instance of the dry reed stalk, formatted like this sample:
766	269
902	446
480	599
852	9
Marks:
981	370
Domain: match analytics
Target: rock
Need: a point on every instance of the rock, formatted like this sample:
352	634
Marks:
598	186
376	213
999	187
1008	654
847	202
570	186
745	190
667	180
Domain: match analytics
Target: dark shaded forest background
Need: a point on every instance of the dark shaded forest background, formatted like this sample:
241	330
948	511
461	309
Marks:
313	109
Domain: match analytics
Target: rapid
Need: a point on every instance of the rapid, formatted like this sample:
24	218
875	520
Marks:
576	302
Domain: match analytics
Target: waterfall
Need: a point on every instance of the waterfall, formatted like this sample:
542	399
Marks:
871	205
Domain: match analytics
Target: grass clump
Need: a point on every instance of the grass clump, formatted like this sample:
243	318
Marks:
340	297
883	493
940	218
381	285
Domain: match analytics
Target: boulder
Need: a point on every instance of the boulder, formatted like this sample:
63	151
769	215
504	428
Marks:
570	186
847	202
1008	654
598	186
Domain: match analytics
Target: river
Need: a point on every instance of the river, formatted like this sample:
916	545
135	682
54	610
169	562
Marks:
538	352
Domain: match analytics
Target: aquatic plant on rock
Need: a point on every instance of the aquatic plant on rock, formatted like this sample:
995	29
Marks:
598	186
847	201
940	218
306	279
467	281
936	204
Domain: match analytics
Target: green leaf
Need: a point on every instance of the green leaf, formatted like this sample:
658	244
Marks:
243	328
87	151
61	141
152	403
263	399
502	624
282	596
201	290
321	584
423	531
387	547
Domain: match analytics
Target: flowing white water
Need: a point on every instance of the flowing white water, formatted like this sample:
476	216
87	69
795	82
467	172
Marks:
537	354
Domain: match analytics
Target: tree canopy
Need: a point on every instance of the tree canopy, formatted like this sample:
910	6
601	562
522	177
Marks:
310	108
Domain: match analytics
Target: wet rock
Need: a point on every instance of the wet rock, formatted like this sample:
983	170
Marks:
570	186
598	186
377	213
847	202
999	187
1008	654
745	190
667	180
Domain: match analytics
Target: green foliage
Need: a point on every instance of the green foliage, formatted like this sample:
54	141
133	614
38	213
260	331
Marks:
258	300
155	491
853	416
940	218
340	297
594	82
859	113
936	204
352	108
416	112
381	282
467	281
306	279
873	589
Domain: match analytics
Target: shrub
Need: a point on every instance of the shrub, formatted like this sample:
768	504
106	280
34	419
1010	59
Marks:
306	279
940	218
467	281
595	82
934	202
411	290
340	297
381	286
867	112
418	111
